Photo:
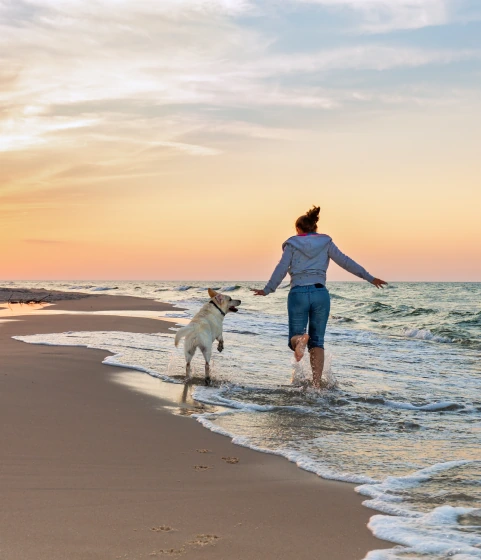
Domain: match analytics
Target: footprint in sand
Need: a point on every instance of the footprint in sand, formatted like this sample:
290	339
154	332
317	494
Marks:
163	529
200	540
169	552
230	460
203	451
202	467
204	540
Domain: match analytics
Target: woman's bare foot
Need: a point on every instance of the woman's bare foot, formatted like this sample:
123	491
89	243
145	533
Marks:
301	347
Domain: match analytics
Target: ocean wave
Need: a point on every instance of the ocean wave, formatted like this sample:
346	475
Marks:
183	288
424	334
475	320
390	484
104	288
339	319
421	311
434	533
230	288
377	306
429	407
214	397
400	310
444	406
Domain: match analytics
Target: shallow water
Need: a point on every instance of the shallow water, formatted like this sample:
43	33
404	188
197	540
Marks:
400	413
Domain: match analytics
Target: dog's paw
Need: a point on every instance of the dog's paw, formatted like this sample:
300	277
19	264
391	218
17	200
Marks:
220	346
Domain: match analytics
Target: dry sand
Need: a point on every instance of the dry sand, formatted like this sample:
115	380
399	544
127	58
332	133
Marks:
91	469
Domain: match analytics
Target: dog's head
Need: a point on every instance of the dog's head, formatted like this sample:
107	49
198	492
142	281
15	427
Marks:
226	303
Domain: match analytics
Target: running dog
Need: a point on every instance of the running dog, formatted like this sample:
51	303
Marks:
205	327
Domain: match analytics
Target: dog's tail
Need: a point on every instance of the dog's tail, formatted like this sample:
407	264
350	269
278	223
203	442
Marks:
181	333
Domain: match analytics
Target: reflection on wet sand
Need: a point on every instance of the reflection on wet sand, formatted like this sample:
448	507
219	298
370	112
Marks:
10	310
177	397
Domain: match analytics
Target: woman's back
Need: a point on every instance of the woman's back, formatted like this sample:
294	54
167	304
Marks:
306	257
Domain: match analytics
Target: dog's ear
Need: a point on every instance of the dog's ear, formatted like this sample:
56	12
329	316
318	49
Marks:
212	293
219	298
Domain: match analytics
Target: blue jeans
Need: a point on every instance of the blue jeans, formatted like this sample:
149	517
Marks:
308	304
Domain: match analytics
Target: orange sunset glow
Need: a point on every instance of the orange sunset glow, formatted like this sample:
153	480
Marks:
181	140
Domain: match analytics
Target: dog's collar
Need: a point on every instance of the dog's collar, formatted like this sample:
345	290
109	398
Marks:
215	305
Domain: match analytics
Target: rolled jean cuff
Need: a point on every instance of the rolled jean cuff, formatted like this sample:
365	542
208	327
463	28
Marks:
310	345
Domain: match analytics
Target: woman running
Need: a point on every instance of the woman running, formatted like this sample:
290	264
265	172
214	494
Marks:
306	257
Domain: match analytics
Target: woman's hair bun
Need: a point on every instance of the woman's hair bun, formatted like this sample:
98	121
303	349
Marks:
313	214
308	221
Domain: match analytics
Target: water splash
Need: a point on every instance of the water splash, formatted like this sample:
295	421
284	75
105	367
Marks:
302	372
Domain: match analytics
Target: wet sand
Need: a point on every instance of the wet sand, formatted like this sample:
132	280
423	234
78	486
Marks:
94	465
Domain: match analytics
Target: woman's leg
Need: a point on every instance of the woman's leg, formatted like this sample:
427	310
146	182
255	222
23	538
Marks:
298	309
298	344
318	316
317	365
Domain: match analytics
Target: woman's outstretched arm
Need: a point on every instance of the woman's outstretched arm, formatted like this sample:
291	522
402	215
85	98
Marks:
351	266
279	273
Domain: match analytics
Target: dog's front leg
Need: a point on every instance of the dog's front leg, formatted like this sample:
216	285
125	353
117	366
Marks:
207	373
220	346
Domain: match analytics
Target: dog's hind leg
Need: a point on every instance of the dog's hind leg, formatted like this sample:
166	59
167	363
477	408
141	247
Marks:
189	354
207	352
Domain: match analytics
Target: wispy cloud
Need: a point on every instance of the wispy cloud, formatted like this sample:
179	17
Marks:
363	57
380	16
24	131
114	89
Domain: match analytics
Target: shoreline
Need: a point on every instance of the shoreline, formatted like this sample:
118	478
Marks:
96	468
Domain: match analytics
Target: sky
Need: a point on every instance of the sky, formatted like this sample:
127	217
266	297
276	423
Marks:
181	139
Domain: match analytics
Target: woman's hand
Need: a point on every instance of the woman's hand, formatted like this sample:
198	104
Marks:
259	292
378	283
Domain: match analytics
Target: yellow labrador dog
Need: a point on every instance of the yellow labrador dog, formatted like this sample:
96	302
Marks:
205	327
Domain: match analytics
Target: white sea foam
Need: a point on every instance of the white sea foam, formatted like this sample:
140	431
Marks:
430	407
433	533
302	373
424	334
213	396
174	315
408	481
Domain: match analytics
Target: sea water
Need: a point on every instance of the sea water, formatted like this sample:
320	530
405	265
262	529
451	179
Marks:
399	413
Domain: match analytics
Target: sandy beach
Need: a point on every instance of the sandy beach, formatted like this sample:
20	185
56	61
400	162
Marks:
94	464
